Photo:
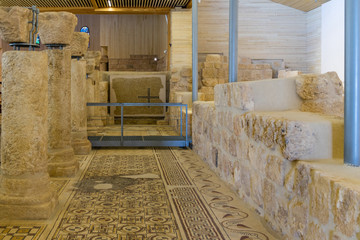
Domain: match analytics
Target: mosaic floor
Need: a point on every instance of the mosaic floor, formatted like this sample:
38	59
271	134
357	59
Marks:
136	194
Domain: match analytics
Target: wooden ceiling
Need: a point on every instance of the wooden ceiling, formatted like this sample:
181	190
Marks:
101	6
303	5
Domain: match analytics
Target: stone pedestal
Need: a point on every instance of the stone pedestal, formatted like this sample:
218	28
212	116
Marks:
25	191
103	98
80	143
60	152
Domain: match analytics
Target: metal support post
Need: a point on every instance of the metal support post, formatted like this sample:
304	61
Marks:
186	127
194	50
352	83
181	121
122	125
233	41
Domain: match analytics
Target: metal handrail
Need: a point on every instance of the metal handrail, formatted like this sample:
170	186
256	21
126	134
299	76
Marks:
122	105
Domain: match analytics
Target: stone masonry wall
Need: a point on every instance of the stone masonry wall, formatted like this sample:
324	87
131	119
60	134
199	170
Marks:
215	70
257	154
140	63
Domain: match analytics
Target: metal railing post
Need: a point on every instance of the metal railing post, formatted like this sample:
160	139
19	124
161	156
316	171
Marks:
186	127
181	122
122	125
352	83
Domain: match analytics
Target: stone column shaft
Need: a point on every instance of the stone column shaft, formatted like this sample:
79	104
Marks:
103	98
25	191
60	152
79	135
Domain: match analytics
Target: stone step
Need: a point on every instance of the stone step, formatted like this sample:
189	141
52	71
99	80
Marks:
300	135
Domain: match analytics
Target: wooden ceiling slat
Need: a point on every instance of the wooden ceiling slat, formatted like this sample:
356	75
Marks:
87	5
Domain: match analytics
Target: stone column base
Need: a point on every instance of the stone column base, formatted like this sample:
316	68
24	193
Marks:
26	197
95	123
81	147
62	162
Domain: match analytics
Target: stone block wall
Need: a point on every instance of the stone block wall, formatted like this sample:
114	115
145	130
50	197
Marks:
258	154
141	63
215	70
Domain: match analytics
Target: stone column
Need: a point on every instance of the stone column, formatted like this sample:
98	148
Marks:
79	135
78	47
25	191
93	96
103	97
62	162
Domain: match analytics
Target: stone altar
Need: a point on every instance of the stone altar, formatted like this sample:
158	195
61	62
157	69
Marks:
138	88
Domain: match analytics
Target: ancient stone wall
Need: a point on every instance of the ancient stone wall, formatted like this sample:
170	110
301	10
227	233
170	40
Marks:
259	154
139	63
215	70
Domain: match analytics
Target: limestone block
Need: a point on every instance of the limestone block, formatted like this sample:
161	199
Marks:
186	72
175	79
209	65
79	44
300	135
298	219
209	73
90	65
94	55
286	73
214	58
315	232
60	152
80	143
274	169
302	179
257	188
270	204
263	93
320	197
322	93
345	199
25	191
223	73
186	98
14	24
210	82
51	22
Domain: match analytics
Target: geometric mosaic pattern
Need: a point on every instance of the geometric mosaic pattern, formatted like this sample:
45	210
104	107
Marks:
144	193
20	232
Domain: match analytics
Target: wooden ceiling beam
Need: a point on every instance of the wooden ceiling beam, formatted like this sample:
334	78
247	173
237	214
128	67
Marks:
132	10
89	10
189	5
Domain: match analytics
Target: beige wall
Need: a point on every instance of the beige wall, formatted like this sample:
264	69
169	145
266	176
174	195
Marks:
181	39
126	35
266	31
313	58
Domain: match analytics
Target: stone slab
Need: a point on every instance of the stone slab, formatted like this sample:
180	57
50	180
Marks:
262	95
128	87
